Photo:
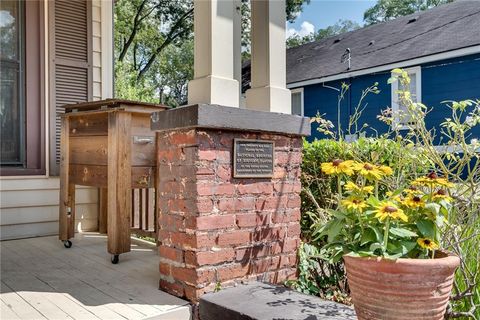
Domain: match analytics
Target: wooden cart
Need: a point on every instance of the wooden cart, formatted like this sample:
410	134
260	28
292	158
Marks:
106	144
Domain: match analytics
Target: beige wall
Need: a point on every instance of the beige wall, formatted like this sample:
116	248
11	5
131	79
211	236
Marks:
29	205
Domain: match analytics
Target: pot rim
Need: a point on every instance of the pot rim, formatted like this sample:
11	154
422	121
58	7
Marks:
446	257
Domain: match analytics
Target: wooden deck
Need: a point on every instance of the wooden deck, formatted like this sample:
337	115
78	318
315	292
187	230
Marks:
40	279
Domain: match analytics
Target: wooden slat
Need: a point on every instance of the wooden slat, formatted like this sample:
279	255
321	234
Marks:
93	150
89	124
102	211
119	182
65	197
89	150
97	176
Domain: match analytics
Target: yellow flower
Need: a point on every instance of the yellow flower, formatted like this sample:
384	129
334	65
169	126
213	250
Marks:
427	243
413	202
369	171
431	180
388	209
353	203
352	187
338	166
414	191
441	194
386	170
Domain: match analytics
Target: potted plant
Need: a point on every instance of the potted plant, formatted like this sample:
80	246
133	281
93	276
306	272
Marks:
390	241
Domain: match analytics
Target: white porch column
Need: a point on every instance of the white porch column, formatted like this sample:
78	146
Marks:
268	76
213	81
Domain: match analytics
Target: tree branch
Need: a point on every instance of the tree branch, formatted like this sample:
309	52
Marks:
136	24
171	36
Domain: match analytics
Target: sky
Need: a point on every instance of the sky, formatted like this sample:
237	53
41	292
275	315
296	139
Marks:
323	13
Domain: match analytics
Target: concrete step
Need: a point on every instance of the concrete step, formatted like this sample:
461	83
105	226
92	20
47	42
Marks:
261	301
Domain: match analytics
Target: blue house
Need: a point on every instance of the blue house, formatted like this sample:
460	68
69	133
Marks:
440	48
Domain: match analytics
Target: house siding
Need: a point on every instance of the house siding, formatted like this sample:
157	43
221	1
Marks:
29	205
451	79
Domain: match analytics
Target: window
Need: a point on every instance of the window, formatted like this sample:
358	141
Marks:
22	110
297	101
12	110
400	112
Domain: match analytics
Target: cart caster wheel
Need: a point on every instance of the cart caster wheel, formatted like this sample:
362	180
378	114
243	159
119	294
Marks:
115	259
67	244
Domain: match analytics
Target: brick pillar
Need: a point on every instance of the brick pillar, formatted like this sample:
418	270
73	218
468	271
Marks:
215	230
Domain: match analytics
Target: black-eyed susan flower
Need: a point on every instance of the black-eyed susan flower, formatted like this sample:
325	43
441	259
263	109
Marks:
353	187
441	194
354	203
431	180
388	209
338	167
386	170
369	171
427	243
413	202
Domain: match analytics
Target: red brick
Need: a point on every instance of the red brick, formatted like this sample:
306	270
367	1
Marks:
253	219
174	288
171	253
210	257
224	173
205	189
294	202
270	234
179	138
291	215
227	204
215	222
255	188
245	203
192	275
234	237
183	240
272	203
165	268
171	222
257	251
204	205
265	264
232	271
207	155
224	156
225	189
294	230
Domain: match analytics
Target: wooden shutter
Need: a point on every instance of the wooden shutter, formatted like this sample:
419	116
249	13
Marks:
71	67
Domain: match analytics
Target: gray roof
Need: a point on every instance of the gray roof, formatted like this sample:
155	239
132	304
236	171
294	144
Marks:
444	28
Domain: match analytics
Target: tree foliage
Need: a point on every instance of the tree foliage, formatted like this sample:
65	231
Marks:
385	10
154	47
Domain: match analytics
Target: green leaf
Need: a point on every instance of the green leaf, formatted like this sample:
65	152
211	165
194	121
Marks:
376	246
368	236
334	229
433	207
402	232
426	228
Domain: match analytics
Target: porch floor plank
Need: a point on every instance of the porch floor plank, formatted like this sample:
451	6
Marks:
41	279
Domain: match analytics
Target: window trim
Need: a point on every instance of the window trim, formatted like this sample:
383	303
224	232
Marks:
34	112
299	90
417	70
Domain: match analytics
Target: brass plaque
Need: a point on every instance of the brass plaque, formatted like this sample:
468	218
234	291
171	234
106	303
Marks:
253	158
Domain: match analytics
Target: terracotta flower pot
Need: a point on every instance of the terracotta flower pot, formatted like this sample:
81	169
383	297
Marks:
401	289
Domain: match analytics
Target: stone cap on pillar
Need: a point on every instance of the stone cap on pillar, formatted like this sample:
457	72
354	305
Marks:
228	118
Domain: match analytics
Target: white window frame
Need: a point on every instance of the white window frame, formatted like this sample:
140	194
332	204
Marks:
299	90
394	97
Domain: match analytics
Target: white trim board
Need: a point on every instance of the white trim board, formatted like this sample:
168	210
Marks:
299	90
388	67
